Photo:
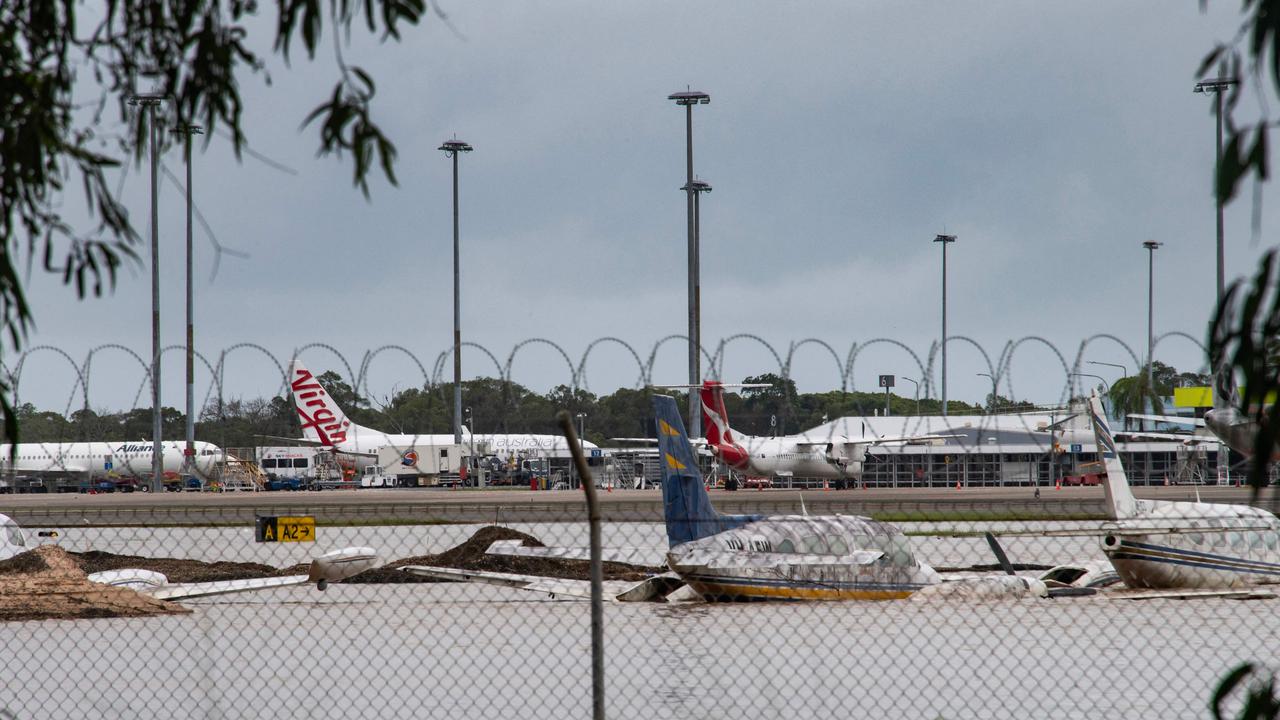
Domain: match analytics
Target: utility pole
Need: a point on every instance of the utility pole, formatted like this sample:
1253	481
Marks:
189	454
1151	246
1217	87
945	240
688	99
149	103
452	148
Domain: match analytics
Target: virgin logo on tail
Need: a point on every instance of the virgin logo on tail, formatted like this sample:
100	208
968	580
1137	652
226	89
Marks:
314	412
715	421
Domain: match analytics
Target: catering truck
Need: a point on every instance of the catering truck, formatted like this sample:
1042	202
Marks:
414	466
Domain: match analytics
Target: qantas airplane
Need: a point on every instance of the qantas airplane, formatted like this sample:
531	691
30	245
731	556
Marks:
105	460
802	455
324	423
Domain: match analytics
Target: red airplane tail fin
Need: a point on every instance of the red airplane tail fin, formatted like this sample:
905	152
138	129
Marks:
715	421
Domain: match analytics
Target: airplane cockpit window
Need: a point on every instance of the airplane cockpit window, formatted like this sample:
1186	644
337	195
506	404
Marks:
759	544
13	534
786	546
838	545
813	544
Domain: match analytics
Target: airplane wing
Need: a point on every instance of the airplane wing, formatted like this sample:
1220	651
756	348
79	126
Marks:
654	589
182	591
329	567
629	555
1135	530
1172	437
696	442
1243	594
743	559
1174	419
877	440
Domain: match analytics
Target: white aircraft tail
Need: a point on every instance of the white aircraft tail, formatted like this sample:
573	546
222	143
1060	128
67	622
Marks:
1120	500
321	419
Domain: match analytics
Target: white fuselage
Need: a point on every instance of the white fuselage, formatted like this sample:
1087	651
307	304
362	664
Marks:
797	456
105	460
1205	546
896	574
367	441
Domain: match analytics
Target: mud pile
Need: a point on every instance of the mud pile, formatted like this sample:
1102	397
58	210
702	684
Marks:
46	583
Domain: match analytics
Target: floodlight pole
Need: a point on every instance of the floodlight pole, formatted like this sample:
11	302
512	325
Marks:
993	391
1151	246
452	148
945	240
189	454
688	99
1217	87
149	104
917	386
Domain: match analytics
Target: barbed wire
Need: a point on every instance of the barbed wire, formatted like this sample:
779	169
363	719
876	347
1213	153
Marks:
576	376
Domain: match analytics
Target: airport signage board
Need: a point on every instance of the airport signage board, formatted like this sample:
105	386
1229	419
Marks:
886	381
285	528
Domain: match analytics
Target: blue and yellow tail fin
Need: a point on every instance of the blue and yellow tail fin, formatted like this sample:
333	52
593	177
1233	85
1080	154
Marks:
686	504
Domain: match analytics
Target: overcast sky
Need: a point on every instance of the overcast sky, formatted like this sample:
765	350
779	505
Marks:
1052	138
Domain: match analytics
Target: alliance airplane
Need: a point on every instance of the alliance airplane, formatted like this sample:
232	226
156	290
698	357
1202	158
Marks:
99	460
1164	544
791	455
324	423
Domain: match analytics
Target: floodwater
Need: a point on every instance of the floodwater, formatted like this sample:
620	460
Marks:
473	651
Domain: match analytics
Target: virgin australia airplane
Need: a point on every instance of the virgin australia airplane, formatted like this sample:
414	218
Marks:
1163	544
324	423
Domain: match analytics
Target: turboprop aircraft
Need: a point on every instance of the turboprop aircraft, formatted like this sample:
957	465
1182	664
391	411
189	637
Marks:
1165	544
802	455
324	423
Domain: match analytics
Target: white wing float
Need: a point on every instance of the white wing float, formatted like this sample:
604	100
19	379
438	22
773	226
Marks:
330	567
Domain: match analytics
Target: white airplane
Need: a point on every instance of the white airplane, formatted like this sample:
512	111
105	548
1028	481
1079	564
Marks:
324	423
751	557
802	455
330	567
1189	545
1225	420
105	460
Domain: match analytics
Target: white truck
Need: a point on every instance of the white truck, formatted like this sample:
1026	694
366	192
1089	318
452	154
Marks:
413	466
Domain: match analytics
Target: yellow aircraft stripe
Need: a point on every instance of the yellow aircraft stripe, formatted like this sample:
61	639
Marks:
673	463
667	429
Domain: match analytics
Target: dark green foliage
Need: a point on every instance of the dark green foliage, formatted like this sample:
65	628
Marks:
193	53
1243	338
1260	702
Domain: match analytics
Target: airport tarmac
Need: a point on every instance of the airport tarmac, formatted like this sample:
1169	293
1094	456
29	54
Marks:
515	505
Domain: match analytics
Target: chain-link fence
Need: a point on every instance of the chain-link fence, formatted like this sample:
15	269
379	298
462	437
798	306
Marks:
388	643
868	586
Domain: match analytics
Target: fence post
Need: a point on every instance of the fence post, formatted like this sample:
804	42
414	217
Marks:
597	570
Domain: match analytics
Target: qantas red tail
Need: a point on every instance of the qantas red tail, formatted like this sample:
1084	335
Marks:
715	421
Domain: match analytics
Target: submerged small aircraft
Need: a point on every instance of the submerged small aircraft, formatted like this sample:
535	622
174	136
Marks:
1190	545
749	557
328	568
